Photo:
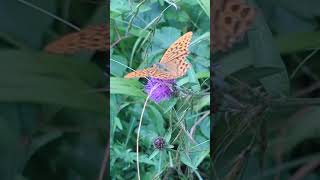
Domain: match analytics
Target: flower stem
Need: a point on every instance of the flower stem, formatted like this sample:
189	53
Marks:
139	128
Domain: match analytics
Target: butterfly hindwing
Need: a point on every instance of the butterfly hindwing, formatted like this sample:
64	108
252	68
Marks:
150	72
141	73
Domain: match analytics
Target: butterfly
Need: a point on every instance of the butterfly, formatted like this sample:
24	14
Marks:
232	19
172	64
90	38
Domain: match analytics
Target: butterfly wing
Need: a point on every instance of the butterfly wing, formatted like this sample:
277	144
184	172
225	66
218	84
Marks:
149	72
178	48
141	73
232	18
90	38
174	58
173	61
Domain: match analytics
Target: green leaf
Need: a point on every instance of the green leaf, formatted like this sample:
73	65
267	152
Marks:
296	42
163	38
41	79
284	22
252	74
41	141
99	15
75	155
50	65
117	123
147	135
306	9
119	7
234	62
204	127
168	105
33	22
199	75
10	151
168	135
157	119
203	102
172	15
185	158
266	55
205	5
155	152
302	125
193	80
118	69
126	87
195	41
146	160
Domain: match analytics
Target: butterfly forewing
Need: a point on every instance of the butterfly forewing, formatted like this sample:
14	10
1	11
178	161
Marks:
178	48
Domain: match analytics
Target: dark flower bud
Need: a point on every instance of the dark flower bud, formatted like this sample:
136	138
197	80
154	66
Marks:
159	143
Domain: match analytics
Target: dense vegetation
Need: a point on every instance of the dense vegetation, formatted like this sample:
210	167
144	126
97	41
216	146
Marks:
267	124
52	109
140	32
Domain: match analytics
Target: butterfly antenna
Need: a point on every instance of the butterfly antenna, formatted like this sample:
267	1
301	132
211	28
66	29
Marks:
122	64
49	14
126	66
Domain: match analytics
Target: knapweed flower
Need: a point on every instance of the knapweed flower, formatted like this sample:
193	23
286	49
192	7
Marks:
159	89
159	143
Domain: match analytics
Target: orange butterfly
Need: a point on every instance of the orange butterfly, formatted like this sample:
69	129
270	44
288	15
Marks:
91	38
172	65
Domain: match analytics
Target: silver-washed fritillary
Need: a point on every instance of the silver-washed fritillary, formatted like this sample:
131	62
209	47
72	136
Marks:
172	65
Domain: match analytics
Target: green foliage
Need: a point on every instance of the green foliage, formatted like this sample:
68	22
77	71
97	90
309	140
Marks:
52	109
267	123
140	33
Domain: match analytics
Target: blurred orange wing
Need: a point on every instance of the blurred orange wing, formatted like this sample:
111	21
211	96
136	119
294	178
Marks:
90	38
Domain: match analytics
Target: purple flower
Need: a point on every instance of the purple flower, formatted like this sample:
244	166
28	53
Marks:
159	89
159	143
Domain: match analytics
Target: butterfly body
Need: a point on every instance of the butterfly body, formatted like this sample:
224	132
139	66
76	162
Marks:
161	67
172	65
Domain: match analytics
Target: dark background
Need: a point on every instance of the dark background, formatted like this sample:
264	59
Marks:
52	106
267	88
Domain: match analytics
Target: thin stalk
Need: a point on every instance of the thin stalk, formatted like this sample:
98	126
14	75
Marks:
303	62
139	129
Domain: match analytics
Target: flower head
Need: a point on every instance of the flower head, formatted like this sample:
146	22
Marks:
159	143
159	89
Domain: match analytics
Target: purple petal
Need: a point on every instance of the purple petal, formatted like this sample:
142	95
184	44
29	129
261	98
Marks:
161	89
